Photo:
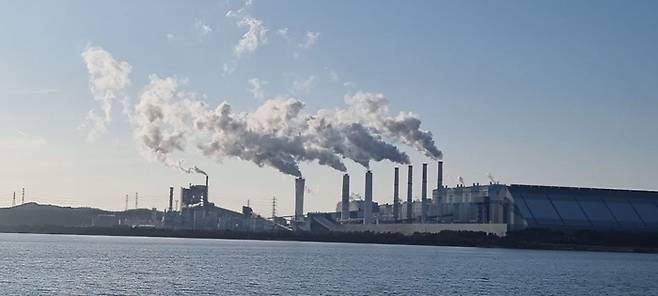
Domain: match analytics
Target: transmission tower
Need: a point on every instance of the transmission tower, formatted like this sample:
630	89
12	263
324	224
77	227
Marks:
13	201
273	207
136	200
126	202
23	196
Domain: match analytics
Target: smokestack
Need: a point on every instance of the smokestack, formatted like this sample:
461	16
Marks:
205	196
439	176
171	199
345	201
299	199
409	198
423	215
367	210
396	195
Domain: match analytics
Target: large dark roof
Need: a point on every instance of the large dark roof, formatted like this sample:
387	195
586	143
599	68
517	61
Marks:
586	208
520	188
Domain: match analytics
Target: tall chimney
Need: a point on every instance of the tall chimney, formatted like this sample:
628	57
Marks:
367	210
396	195
171	199
439	176
299	199
423	215
345	201
409	198
205	196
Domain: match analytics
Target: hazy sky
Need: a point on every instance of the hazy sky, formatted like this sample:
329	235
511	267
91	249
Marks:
552	92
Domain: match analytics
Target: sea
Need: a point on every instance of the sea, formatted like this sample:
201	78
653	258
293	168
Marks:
41	264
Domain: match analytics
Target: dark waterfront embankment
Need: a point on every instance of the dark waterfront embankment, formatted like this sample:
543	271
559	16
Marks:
524	239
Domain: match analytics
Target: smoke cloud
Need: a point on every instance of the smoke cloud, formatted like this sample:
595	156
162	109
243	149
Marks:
372	108
108	77
279	134
193	169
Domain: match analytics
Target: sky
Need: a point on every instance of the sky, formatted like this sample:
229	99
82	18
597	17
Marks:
532	92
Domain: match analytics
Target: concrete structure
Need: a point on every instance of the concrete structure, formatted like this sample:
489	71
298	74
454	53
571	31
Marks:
194	195
492	208
396	195
212	217
475	204
299	199
345	200
439	175
356	211
409	212
367	214
424	207
559	208
198	213
171	199
516	206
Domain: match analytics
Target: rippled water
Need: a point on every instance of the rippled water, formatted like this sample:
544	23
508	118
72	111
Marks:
83	265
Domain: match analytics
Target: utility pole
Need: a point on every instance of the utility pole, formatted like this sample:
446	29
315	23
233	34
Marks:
23	196
136	200
273	207
126	202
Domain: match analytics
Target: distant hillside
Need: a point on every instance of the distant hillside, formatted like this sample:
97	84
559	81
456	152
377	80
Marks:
37	214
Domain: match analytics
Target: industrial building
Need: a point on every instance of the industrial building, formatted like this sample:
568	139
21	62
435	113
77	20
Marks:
196	212
494	208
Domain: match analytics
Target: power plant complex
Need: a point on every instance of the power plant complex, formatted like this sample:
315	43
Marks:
493	208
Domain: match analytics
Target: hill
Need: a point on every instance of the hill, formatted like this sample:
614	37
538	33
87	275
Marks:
33	214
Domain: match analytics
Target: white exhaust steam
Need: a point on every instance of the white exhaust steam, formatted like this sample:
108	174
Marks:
108	77
280	133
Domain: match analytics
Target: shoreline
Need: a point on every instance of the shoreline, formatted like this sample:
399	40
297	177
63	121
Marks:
446	238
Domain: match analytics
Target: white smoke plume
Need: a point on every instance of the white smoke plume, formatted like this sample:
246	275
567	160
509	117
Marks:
108	77
279	133
193	169
371	109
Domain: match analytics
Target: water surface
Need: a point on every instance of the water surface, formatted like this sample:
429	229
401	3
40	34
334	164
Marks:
95	265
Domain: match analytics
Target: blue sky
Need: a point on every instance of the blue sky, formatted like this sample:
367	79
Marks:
552	92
